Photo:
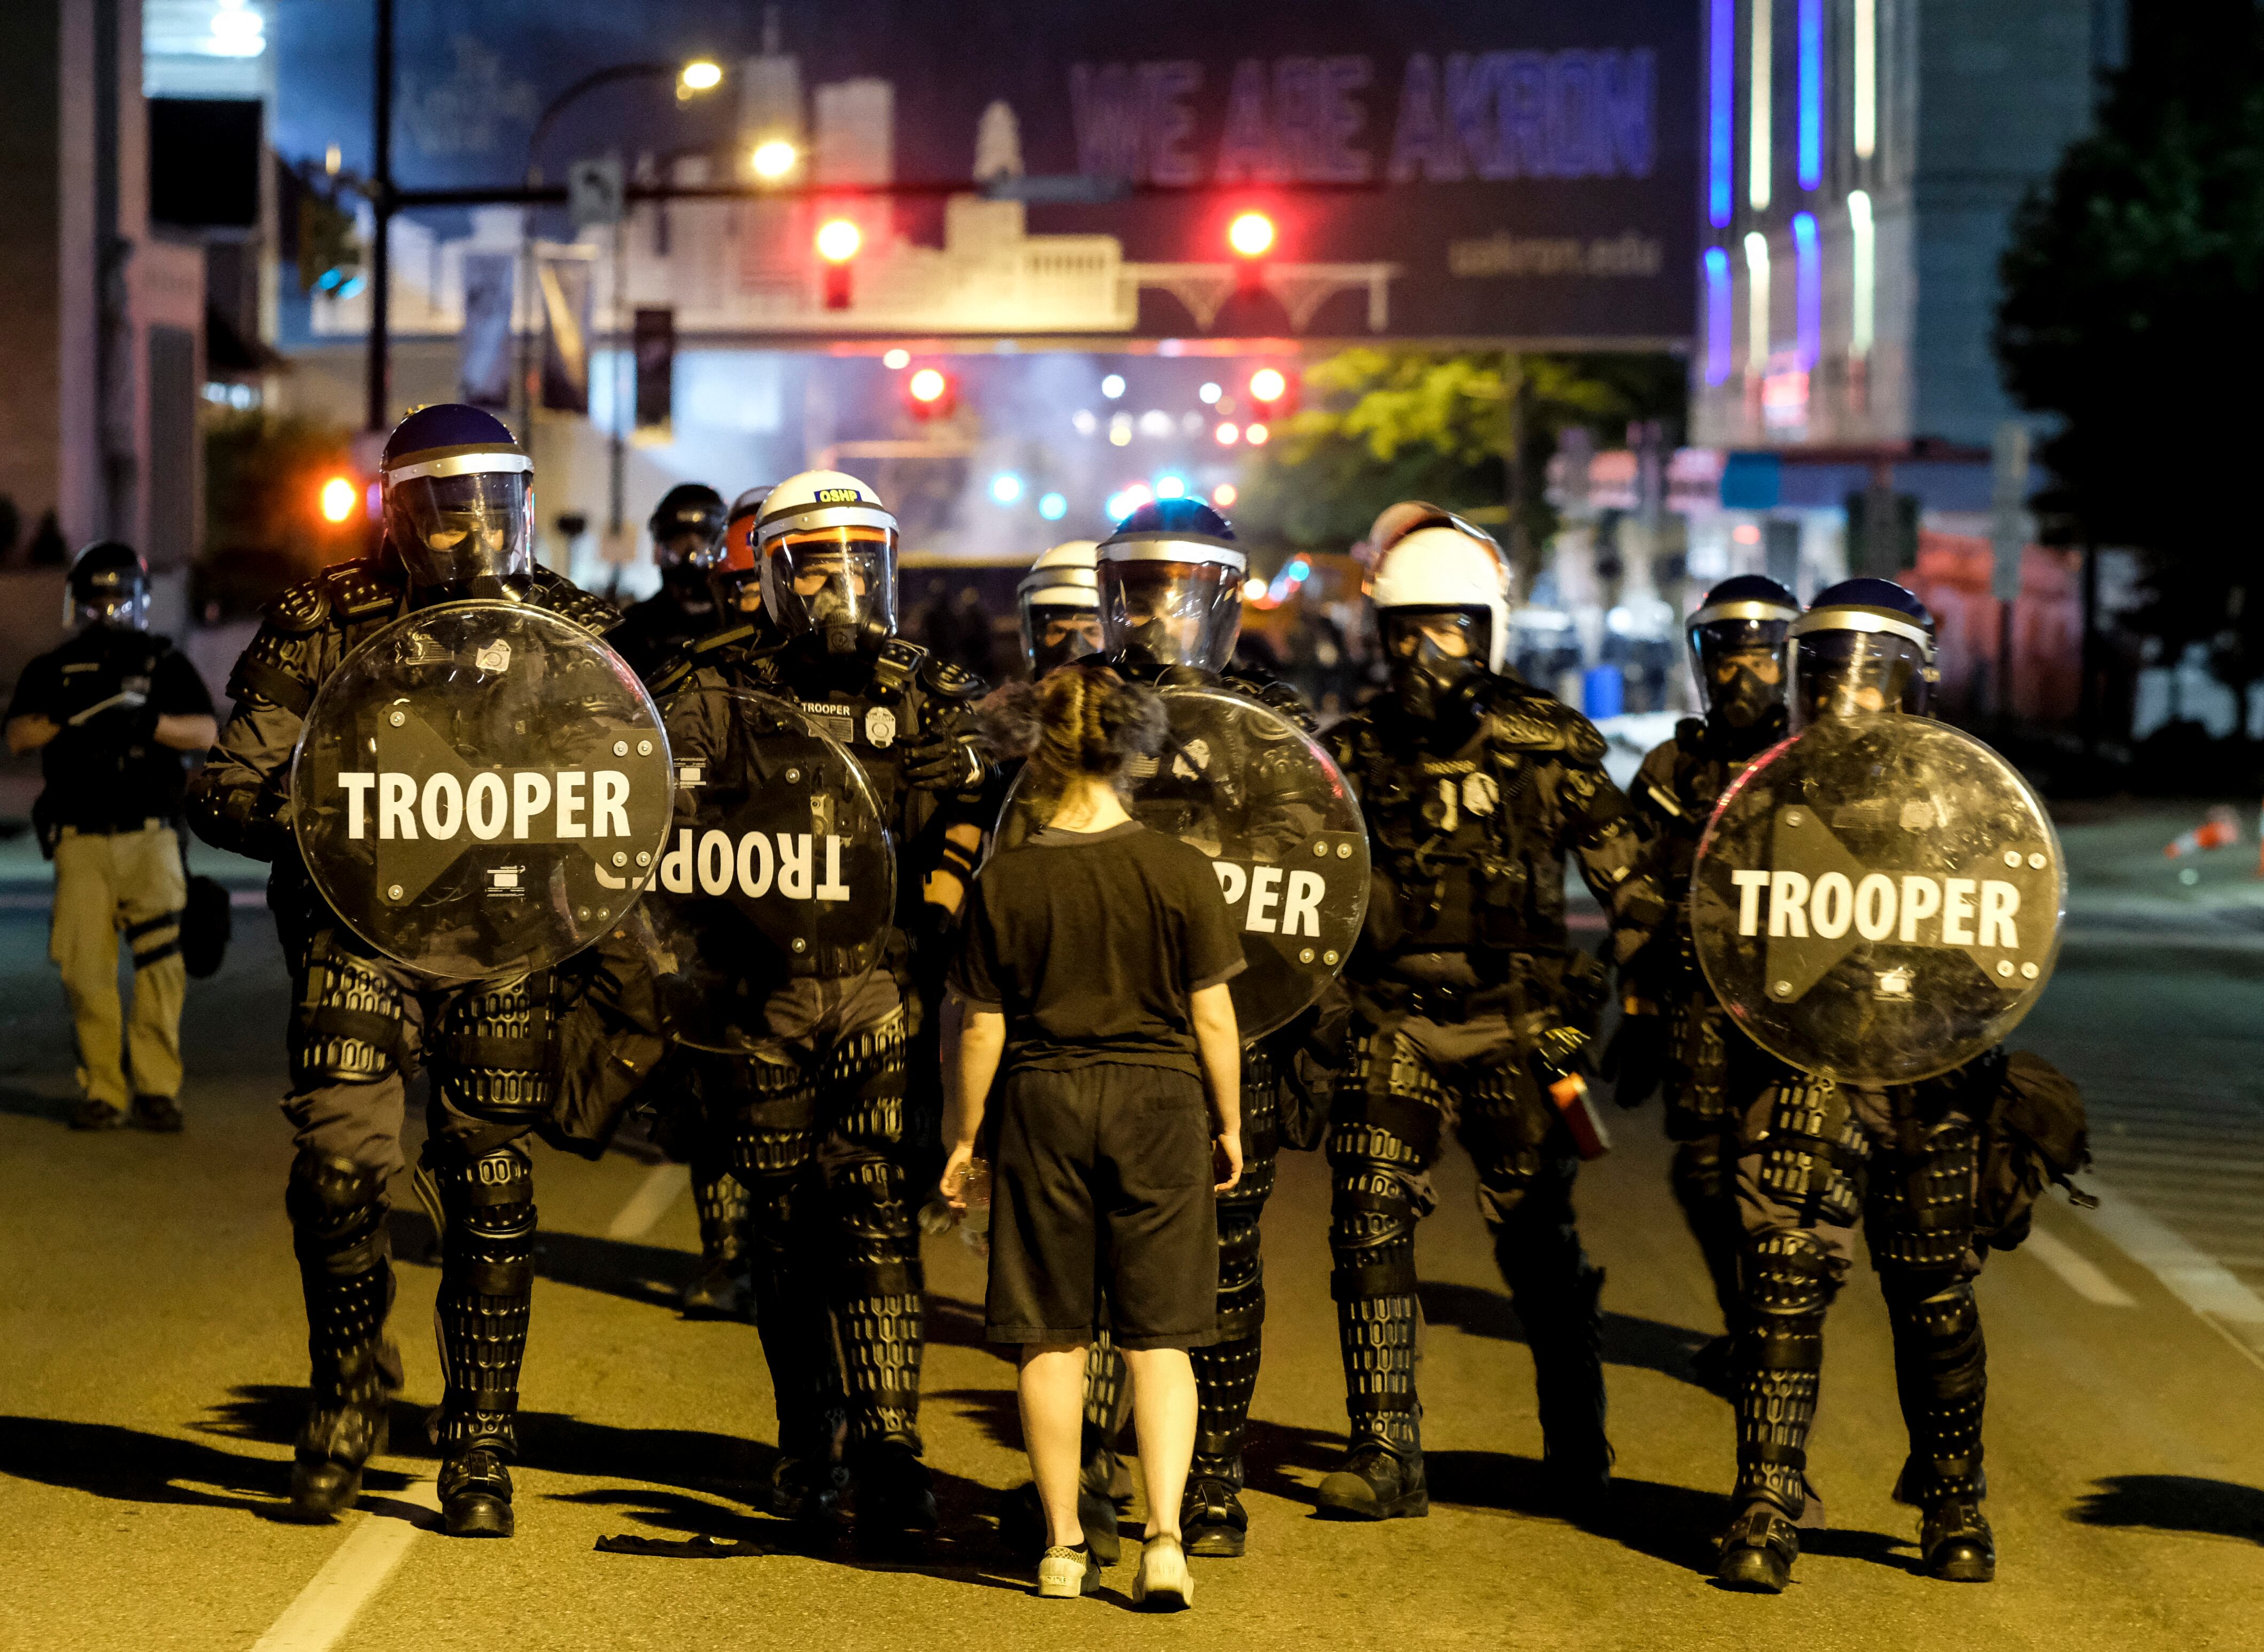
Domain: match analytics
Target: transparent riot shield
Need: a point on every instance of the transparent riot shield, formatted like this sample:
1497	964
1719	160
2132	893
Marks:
480	790
1239	781
777	886
1879	900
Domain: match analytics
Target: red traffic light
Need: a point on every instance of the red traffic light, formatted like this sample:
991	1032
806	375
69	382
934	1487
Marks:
1267	385
838	240
1251	234
339	497
930	393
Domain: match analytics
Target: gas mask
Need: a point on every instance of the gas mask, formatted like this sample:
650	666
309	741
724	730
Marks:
1058	636
1437	660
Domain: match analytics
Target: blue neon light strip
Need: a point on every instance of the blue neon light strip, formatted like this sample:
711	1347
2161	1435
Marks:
1809	138
1720	328
1807	289
1721	108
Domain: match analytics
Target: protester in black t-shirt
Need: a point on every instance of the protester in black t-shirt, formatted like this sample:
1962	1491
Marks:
1094	970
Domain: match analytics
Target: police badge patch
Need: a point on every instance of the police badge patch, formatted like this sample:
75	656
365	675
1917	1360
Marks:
880	728
1480	794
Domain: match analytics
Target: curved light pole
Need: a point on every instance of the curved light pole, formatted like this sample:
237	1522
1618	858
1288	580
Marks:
699	75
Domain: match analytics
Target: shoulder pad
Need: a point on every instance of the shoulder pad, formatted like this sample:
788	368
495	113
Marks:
946	681
1690	734
1539	722
358	588
305	606
700	654
569	601
899	662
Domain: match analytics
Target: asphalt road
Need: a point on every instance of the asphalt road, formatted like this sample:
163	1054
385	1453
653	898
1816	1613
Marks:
151	1352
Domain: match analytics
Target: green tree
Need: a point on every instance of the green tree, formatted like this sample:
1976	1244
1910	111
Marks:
2132	311
1380	425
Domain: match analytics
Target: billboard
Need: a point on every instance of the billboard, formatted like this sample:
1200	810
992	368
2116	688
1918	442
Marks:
1456	168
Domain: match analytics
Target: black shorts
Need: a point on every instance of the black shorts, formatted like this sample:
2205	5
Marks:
1102	1192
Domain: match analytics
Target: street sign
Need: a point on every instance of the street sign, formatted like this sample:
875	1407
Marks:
594	192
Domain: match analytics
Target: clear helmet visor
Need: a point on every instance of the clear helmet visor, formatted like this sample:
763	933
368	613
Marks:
121	611
1856	674
1172	613
685	547
1739	665
1055	634
452	530
839	582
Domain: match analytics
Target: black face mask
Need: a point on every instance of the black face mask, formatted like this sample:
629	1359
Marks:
1433	686
1745	701
687	584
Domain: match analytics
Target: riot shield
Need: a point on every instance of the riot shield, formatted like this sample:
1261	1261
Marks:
1879	900
777	886
479	790
1241	782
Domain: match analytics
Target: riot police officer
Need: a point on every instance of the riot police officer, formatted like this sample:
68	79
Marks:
114	713
1059	607
734	565
1671	1026
1470	1007
1169	582
459	524
686	527
824	1129
1816	1157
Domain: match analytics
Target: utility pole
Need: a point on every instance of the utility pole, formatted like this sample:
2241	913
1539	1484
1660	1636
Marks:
379	402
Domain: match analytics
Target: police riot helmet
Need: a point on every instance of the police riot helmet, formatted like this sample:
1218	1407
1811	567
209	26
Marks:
686	525
733	566
1864	646
1737	648
109	585
459	499
1060	604
828	548
1440	588
1169	580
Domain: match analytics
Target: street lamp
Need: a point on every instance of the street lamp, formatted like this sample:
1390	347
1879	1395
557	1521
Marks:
698	75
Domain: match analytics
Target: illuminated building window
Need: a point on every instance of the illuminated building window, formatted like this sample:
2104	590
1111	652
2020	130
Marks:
1760	108
1866	99
1757	303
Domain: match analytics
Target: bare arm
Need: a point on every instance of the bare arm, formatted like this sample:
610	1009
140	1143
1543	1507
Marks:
1219	1042
195	732
982	1041
29	732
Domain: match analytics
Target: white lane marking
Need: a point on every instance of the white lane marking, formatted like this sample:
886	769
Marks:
357	1569
2202	1284
2077	1270
2183	939
663	1185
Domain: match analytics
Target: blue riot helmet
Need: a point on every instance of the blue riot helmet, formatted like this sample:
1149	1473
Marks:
459	499
687	526
1170	582
1737	648
1864	646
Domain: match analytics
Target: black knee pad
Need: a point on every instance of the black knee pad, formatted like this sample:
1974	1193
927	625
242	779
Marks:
490	1201
1372	1215
347	1023
338	1212
1788	1273
494	1053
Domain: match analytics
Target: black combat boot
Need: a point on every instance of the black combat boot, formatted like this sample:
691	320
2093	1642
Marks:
486	1284
1780	1369
338	1217
1383	1474
1941	1374
1212	1520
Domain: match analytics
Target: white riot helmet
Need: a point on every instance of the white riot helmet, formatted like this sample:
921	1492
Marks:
1060	604
1441	594
829	558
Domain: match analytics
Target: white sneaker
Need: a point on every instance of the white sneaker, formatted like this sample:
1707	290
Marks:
1066	1573
1163	1582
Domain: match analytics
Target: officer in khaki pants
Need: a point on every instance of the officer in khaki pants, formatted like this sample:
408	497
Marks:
114	713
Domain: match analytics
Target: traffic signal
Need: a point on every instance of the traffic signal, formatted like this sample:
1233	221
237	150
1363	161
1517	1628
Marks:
931	394
838	240
337	499
1272	393
1249	237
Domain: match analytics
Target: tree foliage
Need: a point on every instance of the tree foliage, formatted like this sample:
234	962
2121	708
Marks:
2131	312
1382	425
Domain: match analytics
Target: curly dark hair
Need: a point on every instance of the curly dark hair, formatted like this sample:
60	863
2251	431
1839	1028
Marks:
1081	721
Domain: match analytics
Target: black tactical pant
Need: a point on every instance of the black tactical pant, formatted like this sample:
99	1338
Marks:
1703	1113
1407	1082
1815	1158
361	1026
817	1138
